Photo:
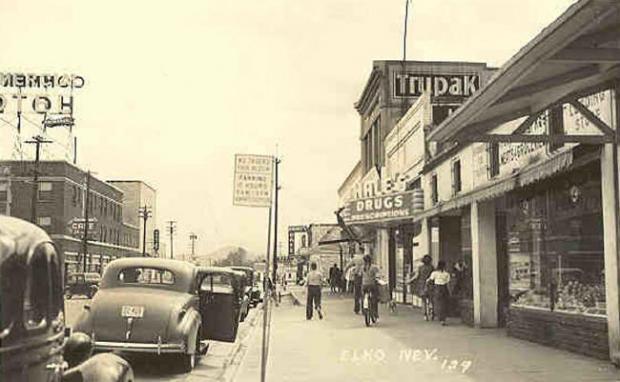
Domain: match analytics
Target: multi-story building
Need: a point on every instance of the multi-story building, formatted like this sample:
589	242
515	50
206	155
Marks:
60	208
137	196
400	101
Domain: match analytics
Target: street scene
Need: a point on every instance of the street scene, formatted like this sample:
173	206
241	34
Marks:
310	191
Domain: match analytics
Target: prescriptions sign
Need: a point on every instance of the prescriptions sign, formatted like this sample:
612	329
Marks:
381	208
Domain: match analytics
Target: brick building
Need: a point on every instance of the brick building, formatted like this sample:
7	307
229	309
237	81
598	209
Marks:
60	210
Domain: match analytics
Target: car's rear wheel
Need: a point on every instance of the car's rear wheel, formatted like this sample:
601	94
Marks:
188	361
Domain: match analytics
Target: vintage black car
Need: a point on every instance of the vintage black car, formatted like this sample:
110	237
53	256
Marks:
85	284
253	290
161	306
243	290
33	344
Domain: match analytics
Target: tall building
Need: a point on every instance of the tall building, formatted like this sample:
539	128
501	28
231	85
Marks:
61	207
137	195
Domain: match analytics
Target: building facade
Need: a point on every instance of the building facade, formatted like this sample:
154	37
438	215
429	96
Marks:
137	195
60	201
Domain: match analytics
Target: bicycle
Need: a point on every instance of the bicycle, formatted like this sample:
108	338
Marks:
369	315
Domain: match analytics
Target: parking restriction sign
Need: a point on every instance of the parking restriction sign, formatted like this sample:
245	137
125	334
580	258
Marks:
253	180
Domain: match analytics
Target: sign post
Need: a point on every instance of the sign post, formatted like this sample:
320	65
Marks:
253	187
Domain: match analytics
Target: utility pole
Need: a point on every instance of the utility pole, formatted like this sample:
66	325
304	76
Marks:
193	237
86	222
37	141
144	213
275	223
171	229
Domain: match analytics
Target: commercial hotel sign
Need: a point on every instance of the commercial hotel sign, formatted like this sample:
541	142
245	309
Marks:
383	208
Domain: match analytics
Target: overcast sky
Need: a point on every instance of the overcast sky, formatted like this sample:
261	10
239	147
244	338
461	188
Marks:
176	88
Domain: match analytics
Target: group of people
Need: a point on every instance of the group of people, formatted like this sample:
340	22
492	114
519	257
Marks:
434	285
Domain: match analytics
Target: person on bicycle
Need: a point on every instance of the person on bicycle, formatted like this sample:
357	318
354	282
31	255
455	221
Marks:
420	286
370	274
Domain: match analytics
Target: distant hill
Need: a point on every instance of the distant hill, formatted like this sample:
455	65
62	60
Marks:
222	254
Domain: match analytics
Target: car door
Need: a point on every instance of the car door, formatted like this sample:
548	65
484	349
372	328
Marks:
218	307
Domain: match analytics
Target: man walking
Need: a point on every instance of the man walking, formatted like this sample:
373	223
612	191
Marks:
357	286
314	284
332	278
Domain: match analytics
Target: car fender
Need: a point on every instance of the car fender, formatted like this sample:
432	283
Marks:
105	367
187	328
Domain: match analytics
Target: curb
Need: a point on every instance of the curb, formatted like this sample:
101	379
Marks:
238	352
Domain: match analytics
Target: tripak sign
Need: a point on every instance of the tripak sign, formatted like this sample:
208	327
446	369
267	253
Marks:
253	180
414	84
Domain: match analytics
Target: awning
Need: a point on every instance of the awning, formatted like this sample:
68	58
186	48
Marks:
489	191
575	56
339	235
546	169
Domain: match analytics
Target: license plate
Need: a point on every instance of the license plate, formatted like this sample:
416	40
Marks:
132	311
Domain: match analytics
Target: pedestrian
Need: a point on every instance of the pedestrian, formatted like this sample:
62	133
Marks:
420	287
337	278
332	278
357	286
370	273
440	278
314	283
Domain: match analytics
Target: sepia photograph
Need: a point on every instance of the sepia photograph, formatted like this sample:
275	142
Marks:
309	191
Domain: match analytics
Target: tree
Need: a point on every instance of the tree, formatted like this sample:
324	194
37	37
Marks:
238	256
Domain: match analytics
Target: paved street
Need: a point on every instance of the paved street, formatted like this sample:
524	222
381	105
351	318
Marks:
215	366
404	347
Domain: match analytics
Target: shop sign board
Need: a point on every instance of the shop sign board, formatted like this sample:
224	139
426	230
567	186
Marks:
383	208
77	226
253	180
411	84
516	155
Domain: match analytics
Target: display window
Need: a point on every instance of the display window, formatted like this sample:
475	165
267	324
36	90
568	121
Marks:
555	244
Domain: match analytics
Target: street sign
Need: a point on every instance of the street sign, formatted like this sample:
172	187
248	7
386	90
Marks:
253	180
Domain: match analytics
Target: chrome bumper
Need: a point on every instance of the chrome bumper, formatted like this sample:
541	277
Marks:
157	348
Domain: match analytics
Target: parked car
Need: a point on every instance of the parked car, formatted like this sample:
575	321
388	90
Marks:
242	292
85	284
220	295
33	338
159	306
253	290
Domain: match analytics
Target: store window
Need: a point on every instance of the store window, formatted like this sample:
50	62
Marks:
456	177
45	221
555	244
434	190
493	159
45	191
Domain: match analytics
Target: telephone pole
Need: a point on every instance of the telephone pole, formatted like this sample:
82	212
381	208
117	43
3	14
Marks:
144	213
193	237
37	141
275	223
171	229
86	222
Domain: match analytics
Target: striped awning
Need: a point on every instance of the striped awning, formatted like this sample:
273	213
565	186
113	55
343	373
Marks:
545	169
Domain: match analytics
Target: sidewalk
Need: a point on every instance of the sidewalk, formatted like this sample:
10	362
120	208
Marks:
404	347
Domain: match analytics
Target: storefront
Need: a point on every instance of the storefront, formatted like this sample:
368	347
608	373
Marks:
544	205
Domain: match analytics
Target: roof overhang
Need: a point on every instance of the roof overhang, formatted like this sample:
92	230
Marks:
575	56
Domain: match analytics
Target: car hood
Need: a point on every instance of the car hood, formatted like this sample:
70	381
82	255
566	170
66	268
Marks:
109	325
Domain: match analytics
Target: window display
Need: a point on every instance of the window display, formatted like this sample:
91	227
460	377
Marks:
555	244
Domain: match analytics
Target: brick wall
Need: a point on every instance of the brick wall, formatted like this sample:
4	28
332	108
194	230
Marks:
576	333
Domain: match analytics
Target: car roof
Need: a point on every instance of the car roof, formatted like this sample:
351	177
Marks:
19	238
204	269
184	272
242	268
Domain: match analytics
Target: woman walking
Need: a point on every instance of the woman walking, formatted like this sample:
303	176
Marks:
421	287
441	295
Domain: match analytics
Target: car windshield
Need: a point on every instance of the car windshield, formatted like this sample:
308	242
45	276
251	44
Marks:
74	279
146	276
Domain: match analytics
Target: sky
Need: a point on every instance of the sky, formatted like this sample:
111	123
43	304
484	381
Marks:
175	88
